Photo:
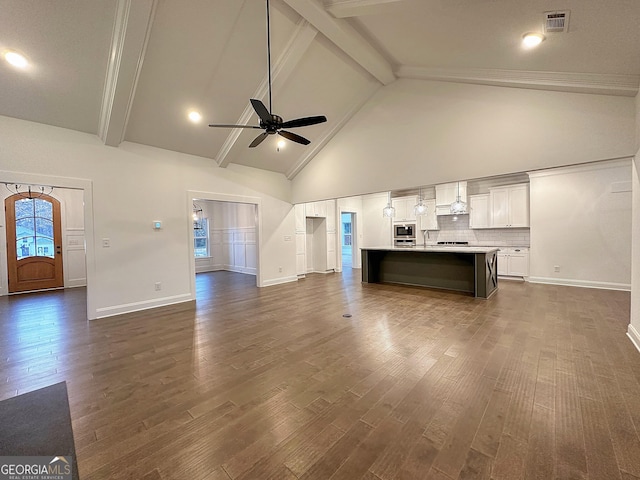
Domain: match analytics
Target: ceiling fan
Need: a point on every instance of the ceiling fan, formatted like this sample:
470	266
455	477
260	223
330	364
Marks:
269	122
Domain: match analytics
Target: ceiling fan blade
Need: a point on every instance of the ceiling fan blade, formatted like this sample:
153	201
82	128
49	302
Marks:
261	110
258	140
293	137
304	122
234	126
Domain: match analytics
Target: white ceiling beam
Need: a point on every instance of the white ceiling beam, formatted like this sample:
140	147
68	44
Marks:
593	83
128	44
356	8
282	69
345	37
320	143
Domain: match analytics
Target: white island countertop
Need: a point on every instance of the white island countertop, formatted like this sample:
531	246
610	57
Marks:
437	248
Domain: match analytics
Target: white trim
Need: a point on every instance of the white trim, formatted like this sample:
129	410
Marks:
593	83
582	167
634	336
278	281
626	287
144	305
355	8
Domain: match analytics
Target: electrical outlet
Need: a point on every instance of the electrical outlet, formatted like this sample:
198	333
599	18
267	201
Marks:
106	243
280	269
556	268
158	286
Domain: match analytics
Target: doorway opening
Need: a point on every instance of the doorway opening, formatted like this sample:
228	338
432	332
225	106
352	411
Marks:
225	233
348	240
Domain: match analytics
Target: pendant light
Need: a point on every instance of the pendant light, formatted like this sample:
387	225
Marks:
458	206
389	211
420	208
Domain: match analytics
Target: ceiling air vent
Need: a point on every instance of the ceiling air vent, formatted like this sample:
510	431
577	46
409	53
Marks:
556	21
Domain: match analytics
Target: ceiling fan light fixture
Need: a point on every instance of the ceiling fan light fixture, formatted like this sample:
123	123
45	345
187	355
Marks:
268	121
532	39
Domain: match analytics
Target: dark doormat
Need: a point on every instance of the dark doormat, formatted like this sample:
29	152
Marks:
38	423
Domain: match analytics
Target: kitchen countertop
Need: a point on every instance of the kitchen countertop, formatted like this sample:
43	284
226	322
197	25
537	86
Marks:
437	248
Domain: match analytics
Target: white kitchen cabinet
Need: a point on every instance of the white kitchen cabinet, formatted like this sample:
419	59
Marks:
301	253
479	211
316	209
300	216
447	193
404	208
330	213
510	206
513	262
428	221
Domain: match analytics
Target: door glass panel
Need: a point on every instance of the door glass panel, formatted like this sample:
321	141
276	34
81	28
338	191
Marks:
25	247
25	227
44	246
44	227
24	208
43	209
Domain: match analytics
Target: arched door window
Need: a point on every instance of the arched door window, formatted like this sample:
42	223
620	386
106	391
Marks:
34	228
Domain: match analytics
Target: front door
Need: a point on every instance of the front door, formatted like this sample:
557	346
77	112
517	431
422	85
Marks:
34	241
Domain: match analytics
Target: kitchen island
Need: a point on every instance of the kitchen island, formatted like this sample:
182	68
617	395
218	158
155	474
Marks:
472	270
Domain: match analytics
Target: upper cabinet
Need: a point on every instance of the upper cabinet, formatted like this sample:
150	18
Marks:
447	193
404	208
509	206
479	211
428	221
316	209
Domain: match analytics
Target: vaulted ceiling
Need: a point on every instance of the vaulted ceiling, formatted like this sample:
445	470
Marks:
131	70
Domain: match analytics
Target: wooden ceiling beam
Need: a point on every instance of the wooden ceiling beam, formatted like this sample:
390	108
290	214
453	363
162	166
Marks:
346	38
128	44
356	8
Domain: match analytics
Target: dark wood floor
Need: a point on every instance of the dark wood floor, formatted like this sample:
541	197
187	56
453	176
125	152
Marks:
537	382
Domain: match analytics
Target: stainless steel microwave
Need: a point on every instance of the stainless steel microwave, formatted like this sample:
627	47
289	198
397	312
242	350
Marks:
404	231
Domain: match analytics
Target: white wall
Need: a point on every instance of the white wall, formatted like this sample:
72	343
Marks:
376	231
415	132
351	205
581	222
130	187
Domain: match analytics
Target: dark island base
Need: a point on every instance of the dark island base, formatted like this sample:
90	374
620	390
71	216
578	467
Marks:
472	273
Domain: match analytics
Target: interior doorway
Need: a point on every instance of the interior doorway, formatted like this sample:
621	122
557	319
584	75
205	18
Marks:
348	239
231	246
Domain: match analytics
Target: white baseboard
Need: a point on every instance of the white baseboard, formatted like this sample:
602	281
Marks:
209	268
581	283
237	269
278	281
144	305
634	336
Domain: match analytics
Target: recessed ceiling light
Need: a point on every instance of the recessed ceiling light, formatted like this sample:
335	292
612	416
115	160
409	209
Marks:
532	39
194	116
16	59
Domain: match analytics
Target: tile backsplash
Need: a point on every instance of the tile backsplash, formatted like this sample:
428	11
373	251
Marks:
458	231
